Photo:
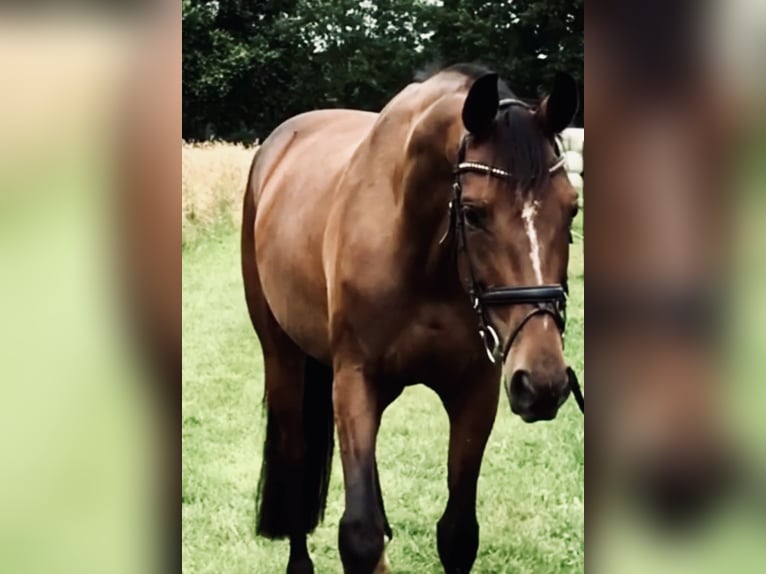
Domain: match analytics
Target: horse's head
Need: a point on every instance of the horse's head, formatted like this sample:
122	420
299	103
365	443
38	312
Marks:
516	208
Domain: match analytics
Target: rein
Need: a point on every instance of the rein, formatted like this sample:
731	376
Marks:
546	299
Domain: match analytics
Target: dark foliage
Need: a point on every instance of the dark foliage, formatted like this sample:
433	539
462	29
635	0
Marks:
248	65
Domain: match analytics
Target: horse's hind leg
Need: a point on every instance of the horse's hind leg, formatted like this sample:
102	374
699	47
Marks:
297	450
280	489
299	438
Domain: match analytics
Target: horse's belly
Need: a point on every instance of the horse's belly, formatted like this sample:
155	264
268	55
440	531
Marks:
289	259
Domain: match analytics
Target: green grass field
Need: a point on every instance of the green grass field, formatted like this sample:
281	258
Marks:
530	503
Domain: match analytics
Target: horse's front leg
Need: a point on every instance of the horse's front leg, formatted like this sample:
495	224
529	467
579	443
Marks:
358	409
471	414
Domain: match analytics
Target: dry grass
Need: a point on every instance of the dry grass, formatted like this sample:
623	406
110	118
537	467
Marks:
214	177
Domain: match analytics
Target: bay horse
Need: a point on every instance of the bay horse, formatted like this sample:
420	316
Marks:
374	248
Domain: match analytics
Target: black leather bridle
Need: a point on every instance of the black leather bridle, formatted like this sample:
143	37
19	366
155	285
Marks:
546	299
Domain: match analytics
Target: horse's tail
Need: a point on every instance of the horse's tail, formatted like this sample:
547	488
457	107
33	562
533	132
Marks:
318	432
280	512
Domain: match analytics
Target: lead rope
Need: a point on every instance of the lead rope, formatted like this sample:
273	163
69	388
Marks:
574	384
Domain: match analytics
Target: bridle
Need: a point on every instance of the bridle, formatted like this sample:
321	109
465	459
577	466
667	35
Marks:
548	300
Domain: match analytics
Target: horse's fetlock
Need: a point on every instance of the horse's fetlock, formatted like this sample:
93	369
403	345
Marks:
361	544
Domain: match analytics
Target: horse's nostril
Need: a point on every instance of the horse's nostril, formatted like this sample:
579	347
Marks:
520	385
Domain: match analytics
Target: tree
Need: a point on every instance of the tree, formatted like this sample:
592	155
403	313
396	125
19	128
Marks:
525	41
238	61
248	65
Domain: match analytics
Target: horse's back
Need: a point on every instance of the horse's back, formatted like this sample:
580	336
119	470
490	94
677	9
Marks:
293	183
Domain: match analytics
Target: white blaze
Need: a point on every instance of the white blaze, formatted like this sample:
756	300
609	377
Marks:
528	215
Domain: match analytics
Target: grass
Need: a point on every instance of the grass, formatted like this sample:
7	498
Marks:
530	502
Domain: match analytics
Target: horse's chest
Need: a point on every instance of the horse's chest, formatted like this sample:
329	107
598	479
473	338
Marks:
434	343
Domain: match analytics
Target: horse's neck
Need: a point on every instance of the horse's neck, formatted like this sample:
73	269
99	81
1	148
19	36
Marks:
407	159
423	192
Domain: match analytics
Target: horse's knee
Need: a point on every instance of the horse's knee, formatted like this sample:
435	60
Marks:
361	544
457	541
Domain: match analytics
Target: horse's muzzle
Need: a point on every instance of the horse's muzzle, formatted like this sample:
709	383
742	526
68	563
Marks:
536	398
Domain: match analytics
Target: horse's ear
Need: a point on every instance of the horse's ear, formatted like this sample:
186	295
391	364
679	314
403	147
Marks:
558	109
480	107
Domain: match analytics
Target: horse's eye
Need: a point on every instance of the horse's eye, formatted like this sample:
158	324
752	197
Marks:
474	217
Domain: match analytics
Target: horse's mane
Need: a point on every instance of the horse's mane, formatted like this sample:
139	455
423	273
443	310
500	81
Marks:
520	141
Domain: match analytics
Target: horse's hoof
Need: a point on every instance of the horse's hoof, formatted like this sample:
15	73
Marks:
383	566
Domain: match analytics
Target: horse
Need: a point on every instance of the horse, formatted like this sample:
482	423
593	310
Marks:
427	243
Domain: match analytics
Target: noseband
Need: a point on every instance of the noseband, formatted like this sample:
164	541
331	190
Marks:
546	299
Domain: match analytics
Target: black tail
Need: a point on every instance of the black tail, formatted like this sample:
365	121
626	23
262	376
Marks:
292	495
319	433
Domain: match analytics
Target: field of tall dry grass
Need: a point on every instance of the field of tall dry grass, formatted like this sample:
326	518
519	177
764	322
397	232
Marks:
213	181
